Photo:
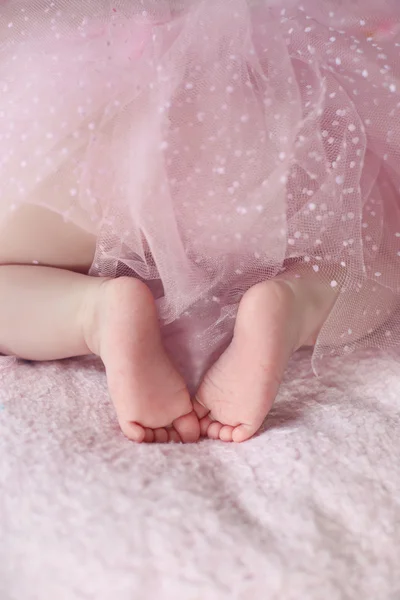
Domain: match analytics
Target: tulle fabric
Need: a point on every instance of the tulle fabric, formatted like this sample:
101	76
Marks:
211	145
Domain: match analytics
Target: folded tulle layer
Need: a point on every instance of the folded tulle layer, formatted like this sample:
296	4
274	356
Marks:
211	145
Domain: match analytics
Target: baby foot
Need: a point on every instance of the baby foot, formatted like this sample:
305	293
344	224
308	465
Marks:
150	397
274	319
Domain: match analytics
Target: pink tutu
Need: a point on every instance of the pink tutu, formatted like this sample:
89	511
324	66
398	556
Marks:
212	144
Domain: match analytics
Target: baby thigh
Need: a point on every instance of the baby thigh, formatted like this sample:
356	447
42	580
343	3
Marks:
34	235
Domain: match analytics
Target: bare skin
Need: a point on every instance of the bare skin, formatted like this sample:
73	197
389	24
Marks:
50	309
275	318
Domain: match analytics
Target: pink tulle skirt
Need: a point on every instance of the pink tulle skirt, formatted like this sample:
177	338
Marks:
213	144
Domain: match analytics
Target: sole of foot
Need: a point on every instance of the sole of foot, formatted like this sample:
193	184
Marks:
149	395
239	390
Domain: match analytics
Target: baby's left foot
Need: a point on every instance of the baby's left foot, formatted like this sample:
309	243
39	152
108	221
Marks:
275	318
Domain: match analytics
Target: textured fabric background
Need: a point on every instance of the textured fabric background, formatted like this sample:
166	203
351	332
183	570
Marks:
308	510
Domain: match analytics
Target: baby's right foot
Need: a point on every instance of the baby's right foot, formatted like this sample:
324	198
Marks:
149	395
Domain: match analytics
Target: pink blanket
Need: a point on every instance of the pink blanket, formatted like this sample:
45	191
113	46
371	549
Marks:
310	509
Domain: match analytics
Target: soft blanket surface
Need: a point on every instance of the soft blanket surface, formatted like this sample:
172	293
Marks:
308	510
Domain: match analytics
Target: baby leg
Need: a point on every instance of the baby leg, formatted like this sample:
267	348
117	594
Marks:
275	318
50	313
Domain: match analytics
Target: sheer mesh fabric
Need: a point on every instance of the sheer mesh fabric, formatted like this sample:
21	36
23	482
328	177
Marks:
211	145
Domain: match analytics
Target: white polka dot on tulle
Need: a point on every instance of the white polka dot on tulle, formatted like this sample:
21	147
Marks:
215	149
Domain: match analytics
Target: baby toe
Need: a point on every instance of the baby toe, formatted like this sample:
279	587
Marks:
174	436
148	435
225	435
214	430
161	436
242	433
188	428
204	425
133	431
